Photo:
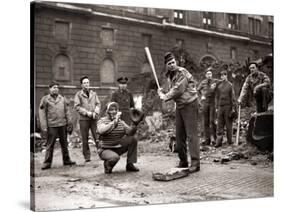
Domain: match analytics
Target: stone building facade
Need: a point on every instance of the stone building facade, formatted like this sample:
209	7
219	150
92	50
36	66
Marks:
105	42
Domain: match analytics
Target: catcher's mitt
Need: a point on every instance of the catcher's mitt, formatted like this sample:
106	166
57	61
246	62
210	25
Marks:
136	115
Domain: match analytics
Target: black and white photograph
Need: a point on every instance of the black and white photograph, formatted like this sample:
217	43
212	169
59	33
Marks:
139	106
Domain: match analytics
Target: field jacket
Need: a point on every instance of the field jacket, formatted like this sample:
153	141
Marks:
182	90
53	112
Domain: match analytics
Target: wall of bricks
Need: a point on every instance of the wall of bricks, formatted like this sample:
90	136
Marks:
86	51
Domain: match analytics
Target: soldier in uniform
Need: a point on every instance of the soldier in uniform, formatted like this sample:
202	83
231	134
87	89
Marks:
55	122
124	99
207	90
184	93
258	83
225	106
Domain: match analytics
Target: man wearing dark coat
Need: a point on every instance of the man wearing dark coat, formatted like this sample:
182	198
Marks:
207	90
225	106
124	99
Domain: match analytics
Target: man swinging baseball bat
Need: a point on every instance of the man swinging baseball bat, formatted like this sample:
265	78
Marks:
184	93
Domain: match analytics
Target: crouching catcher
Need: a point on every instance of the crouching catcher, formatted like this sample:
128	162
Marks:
117	138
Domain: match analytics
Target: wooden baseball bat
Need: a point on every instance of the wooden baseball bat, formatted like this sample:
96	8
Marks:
147	52
238	126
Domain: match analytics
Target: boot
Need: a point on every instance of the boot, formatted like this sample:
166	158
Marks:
107	167
183	164
131	168
46	166
69	163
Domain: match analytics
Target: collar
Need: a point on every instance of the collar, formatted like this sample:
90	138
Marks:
50	98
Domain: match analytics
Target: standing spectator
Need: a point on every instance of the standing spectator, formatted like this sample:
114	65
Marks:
225	106
259	84
124	98
87	104
184	93
55	122
207	90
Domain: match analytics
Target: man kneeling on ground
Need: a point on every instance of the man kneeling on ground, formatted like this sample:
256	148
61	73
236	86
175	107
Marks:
116	138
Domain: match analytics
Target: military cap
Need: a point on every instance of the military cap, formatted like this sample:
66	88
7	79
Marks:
122	80
168	56
53	83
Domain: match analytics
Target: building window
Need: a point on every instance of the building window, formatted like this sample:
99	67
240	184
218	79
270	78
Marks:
251	25
151	11
208	19
178	17
233	21
270	29
233	53
254	26
258	27
107	36
62	30
62	67
107	73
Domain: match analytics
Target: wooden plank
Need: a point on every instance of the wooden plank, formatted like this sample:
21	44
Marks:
171	174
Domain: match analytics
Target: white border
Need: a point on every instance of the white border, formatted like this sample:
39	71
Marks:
14	183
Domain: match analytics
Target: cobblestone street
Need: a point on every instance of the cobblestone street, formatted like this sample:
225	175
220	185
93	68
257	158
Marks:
88	187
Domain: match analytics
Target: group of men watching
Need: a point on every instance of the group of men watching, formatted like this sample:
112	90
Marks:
108	132
114	134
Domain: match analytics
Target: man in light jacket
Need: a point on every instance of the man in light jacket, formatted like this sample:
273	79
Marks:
55	122
87	104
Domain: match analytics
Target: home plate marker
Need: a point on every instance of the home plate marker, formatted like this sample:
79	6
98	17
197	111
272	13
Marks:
171	174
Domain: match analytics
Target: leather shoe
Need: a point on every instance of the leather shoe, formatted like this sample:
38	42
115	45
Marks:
46	166
183	164
69	163
193	169
131	168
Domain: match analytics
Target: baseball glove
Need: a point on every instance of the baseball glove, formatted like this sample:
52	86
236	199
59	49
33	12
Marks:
136	115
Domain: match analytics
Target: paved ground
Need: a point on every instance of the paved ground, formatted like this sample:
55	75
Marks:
88	187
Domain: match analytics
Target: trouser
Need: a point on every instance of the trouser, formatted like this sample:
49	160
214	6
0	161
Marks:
209	113
263	97
224	120
129	144
53	133
85	126
186	129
